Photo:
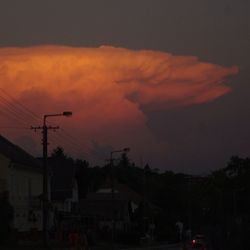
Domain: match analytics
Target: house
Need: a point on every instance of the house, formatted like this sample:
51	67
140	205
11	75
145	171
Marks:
123	205
21	176
64	189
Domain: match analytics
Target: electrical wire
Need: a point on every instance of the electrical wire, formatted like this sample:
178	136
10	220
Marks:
16	111
24	109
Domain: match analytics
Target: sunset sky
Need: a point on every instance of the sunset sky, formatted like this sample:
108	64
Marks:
169	79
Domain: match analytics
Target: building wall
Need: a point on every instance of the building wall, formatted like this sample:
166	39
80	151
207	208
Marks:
4	172
24	187
66	205
75	197
75	194
62	206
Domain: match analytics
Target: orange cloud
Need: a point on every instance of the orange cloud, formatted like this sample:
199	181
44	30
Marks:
107	87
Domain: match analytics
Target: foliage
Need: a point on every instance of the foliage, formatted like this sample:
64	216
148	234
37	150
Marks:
218	203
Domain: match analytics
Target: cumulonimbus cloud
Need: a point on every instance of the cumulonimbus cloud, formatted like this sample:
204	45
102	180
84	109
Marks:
108	87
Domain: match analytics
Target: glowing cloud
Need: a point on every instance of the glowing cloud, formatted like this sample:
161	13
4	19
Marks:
107	87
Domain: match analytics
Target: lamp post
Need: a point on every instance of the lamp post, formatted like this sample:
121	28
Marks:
45	129
113	191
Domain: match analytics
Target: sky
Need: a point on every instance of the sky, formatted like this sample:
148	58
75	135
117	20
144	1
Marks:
169	79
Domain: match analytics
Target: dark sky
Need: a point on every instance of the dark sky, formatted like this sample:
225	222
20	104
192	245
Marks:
202	137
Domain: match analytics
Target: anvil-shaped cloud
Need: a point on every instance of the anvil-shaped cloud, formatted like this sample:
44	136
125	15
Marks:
107	88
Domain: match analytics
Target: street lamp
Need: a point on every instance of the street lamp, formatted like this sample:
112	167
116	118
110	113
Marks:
45	171
119	151
125	150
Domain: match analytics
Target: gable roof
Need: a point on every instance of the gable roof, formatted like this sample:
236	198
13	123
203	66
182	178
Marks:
19	157
121	190
102	203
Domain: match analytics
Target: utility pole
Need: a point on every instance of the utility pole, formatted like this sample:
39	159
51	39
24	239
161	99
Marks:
45	198
113	199
45	129
113	192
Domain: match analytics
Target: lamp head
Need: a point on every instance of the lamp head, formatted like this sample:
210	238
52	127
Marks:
67	113
126	149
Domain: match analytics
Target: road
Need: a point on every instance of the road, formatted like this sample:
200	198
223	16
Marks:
170	247
161	247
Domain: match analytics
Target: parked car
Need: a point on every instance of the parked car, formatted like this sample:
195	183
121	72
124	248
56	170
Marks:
199	241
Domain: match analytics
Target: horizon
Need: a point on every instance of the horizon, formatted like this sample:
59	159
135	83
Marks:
170	80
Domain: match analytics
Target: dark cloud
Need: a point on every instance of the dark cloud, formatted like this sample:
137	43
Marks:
214	31
96	82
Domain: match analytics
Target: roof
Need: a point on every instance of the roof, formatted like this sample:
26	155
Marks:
19	157
122	190
101	202
105	196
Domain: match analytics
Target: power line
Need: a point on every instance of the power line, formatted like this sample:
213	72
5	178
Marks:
57	140
12	110
13	127
76	143
12	117
21	106
15	110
